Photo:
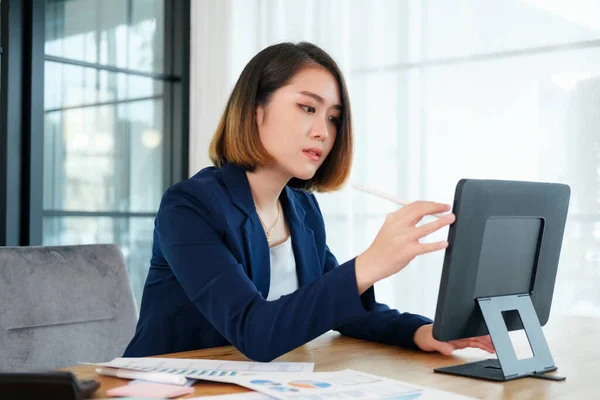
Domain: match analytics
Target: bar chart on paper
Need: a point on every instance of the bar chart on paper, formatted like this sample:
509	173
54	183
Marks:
213	370
195	373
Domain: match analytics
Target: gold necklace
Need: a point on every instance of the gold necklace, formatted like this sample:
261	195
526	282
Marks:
268	231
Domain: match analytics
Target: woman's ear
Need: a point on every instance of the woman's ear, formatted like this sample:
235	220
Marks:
260	115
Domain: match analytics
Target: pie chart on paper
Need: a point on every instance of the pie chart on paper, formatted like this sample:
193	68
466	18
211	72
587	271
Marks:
310	384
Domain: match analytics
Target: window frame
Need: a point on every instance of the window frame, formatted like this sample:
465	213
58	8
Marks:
22	67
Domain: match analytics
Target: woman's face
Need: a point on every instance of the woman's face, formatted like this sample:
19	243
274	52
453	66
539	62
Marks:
299	124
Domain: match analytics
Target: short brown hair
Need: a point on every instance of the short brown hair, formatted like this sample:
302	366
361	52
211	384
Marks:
237	140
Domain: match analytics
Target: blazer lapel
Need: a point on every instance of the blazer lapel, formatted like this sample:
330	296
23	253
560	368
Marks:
257	250
308	265
255	242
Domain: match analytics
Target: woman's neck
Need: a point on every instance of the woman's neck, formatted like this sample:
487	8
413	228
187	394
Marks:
266	185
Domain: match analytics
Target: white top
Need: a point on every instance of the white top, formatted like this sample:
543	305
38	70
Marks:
284	279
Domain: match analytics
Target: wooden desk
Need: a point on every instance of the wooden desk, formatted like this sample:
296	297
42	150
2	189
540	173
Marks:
572	340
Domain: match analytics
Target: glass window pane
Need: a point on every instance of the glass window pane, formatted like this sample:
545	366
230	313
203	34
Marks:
132	235
103	140
122	33
462	27
576	289
364	23
372	21
105	158
379	103
527	118
75	86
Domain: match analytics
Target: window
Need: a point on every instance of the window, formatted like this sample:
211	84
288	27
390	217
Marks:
115	110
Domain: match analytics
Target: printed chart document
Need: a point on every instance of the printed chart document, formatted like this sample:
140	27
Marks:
286	381
341	385
236	396
212	370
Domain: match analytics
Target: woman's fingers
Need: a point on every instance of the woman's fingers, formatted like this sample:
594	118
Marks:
414	212
423	248
393	247
486	341
430	227
483	343
418	210
444	347
417	233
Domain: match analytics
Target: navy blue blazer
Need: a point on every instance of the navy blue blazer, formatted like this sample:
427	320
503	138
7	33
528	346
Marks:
210	274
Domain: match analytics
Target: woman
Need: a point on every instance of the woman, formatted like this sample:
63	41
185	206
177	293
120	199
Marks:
239	251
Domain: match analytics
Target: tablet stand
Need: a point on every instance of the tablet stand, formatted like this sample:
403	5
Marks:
508	367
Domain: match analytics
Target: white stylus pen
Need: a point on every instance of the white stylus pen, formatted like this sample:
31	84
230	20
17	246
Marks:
385	196
157	377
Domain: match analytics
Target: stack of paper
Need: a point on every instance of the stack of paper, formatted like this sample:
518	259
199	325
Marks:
285	381
211	370
340	385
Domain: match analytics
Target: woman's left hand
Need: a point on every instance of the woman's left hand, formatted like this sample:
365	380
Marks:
424	340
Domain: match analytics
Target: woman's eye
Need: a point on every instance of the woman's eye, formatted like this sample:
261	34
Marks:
334	120
308	109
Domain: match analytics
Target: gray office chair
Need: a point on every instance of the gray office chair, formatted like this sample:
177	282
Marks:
61	305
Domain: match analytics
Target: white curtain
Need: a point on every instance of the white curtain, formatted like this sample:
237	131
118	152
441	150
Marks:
440	90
